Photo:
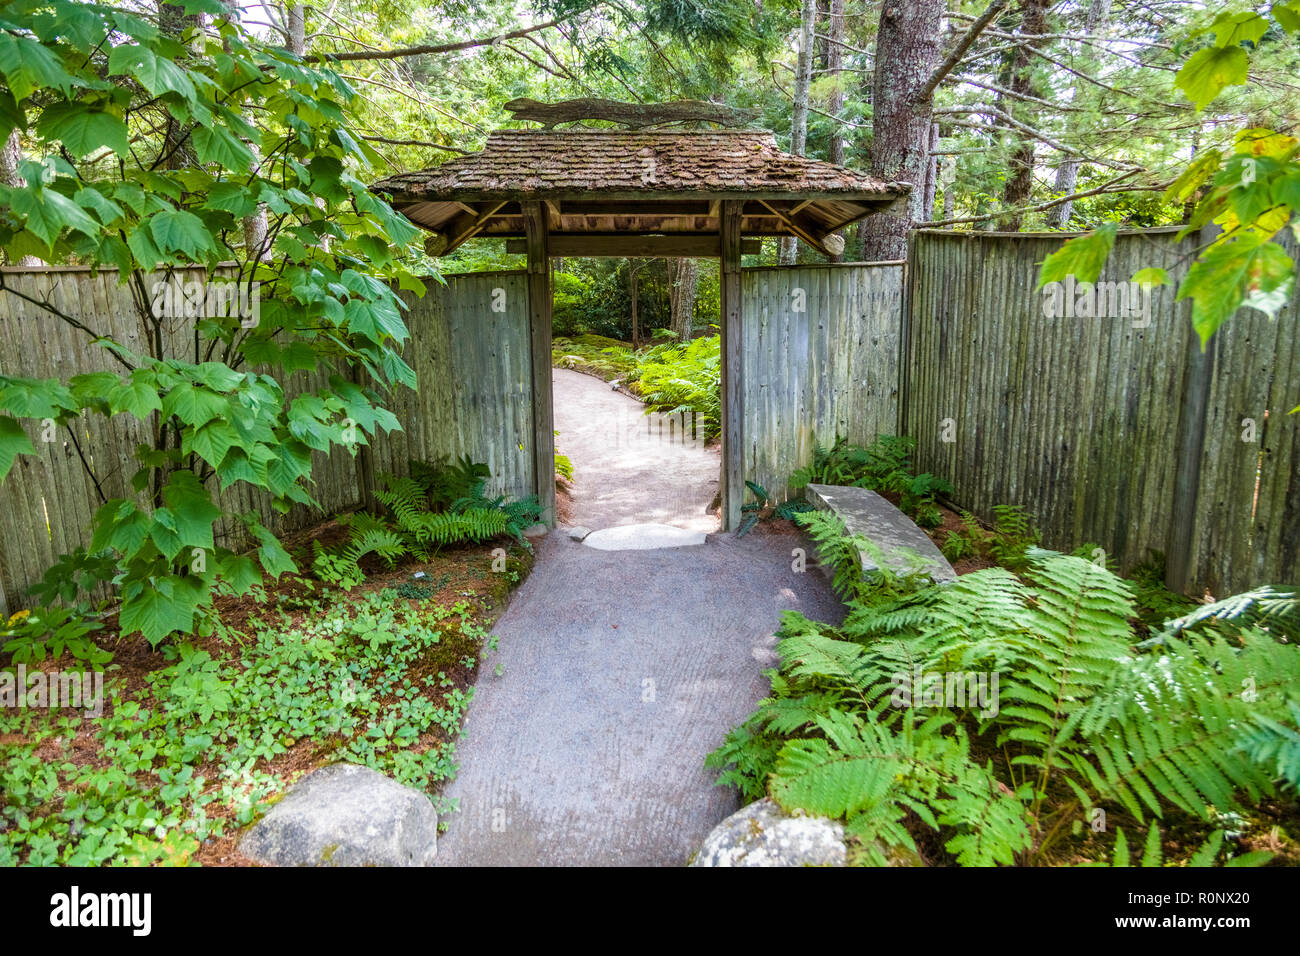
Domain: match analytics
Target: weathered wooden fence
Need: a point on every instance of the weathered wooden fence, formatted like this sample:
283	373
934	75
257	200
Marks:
821	359
472	361
1112	429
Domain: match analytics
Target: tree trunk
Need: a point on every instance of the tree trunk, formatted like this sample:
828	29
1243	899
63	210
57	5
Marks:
177	147
931	172
908	50
10	156
296	26
683	276
1067	174
632	270
799	119
1020	182
834	64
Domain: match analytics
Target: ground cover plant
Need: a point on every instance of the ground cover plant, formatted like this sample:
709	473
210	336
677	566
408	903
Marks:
198	737
1094	728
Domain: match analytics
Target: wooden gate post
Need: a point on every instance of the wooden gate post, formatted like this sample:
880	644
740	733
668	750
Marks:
539	327
733	434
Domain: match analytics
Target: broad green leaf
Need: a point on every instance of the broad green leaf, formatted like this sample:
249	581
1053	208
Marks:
216	145
138	395
1150	277
13	442
1208	71
83	130
34	397
121	525
157	74
1082	257
1287	15
1231	29
275	560
240	572
192	509
1247	270
212	442
162	607
28	65
47	213
193	405
176	230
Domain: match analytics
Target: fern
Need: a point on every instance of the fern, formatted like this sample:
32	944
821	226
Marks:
1274	745
1083	717
1205	855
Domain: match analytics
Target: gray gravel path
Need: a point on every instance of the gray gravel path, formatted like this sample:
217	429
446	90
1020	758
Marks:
621	671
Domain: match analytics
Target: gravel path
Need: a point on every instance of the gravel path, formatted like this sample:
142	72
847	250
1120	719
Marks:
621	670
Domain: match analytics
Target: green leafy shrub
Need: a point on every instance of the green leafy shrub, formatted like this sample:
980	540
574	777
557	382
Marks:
31	636
1006	543
884	466
365	680
674	378
1082	716
595	354
150	168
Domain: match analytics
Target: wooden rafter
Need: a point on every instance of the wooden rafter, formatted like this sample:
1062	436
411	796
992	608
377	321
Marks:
473	227
797	229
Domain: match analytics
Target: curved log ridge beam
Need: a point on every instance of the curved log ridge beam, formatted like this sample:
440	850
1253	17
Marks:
632	115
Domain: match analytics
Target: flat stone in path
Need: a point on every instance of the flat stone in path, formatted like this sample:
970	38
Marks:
642	537
866	513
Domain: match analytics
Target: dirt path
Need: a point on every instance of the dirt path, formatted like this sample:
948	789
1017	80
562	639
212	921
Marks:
629	467
621	670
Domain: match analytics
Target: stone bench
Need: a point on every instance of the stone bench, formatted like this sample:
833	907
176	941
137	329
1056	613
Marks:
868	514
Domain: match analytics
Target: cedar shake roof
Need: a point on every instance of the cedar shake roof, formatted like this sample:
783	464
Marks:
542	164
635	182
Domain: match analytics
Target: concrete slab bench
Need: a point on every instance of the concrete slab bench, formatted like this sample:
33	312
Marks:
868	514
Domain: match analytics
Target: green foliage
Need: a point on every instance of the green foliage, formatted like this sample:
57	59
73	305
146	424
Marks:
1006	543
1205	855
1155	603
563	465
31	636
414	592
885	466
1250	194
1081	716
185	758
791	507
145	163
444	484
607	358
751	511
674	378
842	553
438	505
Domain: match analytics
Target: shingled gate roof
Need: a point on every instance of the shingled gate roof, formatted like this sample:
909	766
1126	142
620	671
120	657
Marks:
620	182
